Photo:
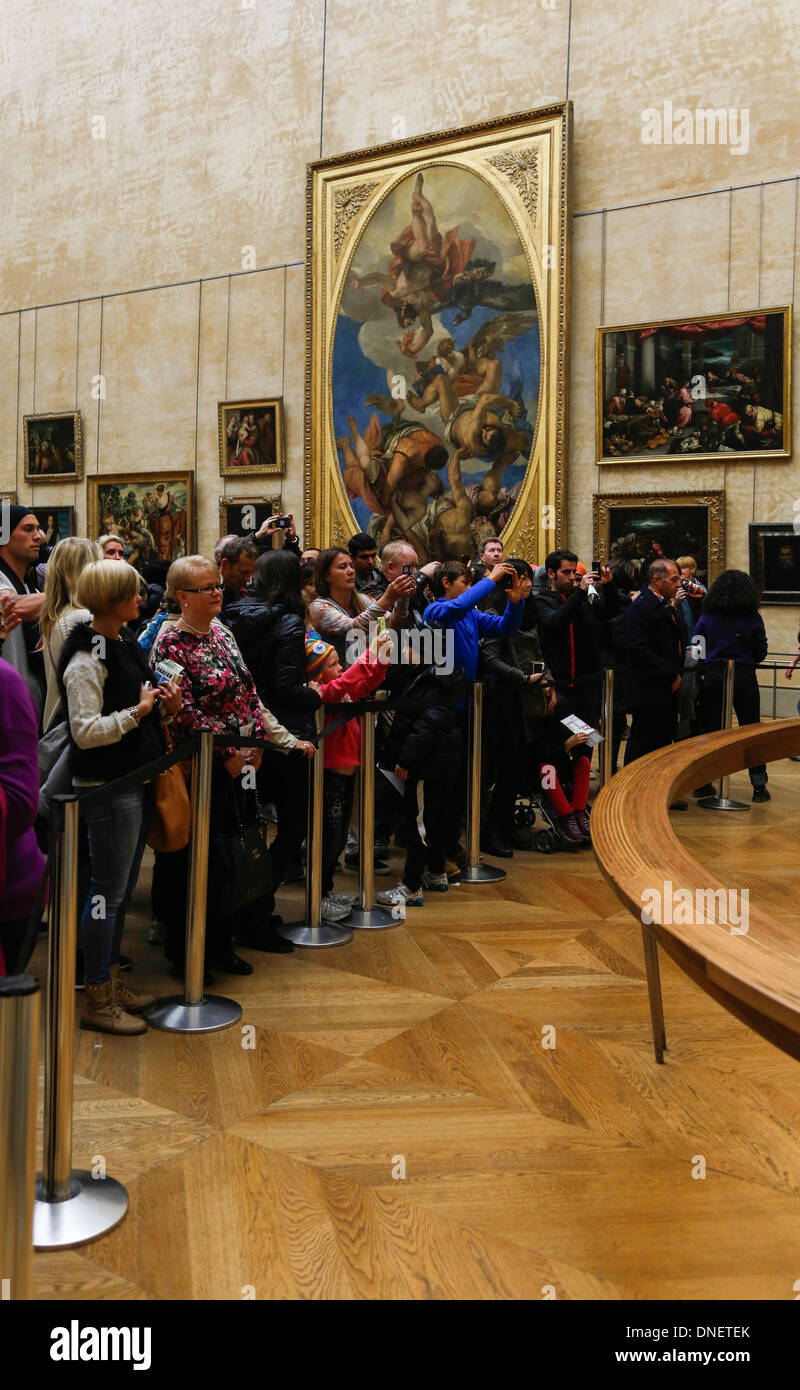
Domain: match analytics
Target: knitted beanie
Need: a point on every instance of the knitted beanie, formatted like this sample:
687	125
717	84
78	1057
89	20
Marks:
317	653
16	513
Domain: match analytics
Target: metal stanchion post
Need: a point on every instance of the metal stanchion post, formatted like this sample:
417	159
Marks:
774	691
607	730
475	871
367	916
19	1051
72	1205
193	1011
722	801
313	931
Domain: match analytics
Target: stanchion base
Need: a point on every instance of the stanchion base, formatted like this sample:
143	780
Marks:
174	1015
375	918
482	873
96	1206
324	935
722	803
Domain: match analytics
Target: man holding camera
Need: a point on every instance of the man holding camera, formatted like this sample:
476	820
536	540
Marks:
569	615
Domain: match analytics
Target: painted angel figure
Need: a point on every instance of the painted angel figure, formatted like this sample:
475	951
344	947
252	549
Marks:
421	271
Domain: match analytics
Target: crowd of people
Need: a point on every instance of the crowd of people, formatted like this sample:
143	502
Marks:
102	668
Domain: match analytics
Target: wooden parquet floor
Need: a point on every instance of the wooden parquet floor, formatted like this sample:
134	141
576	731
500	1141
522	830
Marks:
399	1130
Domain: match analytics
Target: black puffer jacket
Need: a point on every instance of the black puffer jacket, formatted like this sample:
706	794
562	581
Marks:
272	642
427	742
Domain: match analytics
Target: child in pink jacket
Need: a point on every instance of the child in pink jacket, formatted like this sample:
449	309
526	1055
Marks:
342	750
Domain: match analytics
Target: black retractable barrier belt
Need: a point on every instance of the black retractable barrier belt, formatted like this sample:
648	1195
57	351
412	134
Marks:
354	709
92	796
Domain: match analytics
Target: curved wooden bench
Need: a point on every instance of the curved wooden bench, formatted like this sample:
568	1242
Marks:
755	976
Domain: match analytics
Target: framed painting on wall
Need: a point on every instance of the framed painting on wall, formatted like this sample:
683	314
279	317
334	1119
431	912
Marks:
251	438
775	561
53	447
152	512
56	522
717	387
641	527
238	516
436	339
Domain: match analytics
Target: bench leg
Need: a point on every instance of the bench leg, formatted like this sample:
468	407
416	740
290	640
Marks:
650	943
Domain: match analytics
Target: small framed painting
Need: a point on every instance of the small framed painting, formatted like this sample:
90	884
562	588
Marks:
238	516
637	528
717	387
251	438
152	512
56	522
53	447
775	561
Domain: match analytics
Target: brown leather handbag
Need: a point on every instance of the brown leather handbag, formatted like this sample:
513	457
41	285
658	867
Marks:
171	822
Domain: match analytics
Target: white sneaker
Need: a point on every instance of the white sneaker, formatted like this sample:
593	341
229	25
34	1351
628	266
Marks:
347	900
331	911
438	883
393	897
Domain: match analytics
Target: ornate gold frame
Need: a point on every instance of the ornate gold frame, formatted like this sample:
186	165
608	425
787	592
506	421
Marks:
524	159
714	502
261	501
766	455
75	416
97	480
280	457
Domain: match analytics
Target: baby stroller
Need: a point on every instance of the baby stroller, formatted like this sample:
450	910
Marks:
550	838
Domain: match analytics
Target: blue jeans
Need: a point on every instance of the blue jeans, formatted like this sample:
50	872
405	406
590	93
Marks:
117	833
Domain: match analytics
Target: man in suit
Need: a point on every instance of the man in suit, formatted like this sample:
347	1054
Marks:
656	640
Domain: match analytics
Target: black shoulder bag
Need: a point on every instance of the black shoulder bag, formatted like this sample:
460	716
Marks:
240	868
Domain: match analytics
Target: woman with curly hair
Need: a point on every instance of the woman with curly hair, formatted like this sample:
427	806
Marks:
731	626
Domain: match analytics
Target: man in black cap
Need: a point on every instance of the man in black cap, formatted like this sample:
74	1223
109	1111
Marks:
20	540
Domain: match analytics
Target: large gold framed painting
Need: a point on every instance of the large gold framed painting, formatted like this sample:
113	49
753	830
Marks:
436	340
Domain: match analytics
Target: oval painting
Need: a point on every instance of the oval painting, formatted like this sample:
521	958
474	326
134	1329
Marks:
436	366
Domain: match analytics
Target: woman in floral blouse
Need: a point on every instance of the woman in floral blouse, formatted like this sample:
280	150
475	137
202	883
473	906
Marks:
217	694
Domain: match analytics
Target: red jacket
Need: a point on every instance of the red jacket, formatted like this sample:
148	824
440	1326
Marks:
343	748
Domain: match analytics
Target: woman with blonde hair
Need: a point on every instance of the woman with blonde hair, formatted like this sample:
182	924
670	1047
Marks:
115	728
61	612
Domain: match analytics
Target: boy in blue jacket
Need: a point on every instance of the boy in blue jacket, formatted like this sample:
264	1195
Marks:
455	606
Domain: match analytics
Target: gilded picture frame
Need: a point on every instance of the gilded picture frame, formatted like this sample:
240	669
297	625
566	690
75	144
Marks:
483	265
643	526
261	508
775	561
53	447
714	387
251	438
152	512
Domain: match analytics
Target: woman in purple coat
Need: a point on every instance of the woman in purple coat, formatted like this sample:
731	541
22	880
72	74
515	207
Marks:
19	804
731	626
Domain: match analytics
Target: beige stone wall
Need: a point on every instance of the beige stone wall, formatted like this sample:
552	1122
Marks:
208	114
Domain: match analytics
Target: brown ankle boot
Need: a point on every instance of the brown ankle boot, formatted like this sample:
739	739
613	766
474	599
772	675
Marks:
131	1002
102	1012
